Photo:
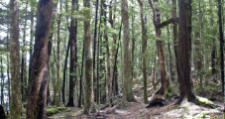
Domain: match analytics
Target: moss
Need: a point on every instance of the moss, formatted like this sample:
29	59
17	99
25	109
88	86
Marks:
51	111
203	100
24	111
61	108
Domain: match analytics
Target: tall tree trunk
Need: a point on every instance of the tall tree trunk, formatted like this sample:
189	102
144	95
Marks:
88	86
73	54
108	76
2	83
58	81
127	83
31	37
213	52
144	45
15	102
81	78
96	98
64	73
112	18
220	13
8	67
37	90
24	63
184	52
102	71
175	36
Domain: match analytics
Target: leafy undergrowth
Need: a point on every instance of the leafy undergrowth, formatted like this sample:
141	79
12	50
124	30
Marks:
137	110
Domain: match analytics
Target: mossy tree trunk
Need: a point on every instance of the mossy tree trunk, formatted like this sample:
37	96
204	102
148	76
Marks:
87	60
37	90
58	81
127	82
15	102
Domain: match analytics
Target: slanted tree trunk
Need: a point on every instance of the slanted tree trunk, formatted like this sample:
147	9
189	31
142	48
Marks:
37	90
184	51
87	60
127	83
73	54
162	64
162	61
144	45
15	102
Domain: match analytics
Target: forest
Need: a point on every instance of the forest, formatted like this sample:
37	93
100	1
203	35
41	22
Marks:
112	59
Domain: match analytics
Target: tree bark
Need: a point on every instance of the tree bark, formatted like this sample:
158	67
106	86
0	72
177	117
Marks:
144	45
162	64
37	90
96	98
127	83
73	54
2	83
184	51
15	102
162	60
175	36
108	75
88	86
58	81
81	78
23	63
220	13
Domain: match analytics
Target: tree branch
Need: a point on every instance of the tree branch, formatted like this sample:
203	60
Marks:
165	23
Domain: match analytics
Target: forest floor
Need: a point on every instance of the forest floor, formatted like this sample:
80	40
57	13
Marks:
137	110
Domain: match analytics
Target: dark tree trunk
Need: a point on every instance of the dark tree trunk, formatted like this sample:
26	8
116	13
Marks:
81	78
102	76
175	41
64	73
184	51
47	72
2	83
221	43
73	55
213	52
37	90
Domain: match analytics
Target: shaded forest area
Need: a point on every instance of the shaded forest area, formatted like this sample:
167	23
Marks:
112	59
